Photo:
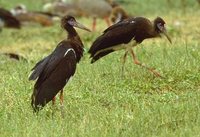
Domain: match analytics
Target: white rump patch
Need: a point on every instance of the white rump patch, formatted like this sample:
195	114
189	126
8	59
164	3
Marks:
70	49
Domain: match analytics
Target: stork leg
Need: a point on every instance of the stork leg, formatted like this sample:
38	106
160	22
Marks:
137	62
61	103
107	21
53	101
123	62
94	24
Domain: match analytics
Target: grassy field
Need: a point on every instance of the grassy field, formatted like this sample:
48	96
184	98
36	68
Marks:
98	101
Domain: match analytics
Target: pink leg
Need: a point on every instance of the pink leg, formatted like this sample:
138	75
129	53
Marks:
137	62
61	103
94	24
107	21
53	101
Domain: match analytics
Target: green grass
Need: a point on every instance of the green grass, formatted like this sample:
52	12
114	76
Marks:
98	101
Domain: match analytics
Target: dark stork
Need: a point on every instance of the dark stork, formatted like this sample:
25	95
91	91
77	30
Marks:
117	37
54	71
8	20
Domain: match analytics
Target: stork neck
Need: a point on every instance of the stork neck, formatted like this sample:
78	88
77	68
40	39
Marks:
71	31
73	35
74	38
154	32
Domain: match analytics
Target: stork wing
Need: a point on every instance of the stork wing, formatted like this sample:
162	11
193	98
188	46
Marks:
38	68
118	24
48	64
55	75
119	33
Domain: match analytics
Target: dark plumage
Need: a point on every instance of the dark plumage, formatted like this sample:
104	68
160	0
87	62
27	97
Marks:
55	70
116	36
8	19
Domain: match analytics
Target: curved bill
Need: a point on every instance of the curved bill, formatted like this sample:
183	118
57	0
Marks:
163	30
165	33
79	25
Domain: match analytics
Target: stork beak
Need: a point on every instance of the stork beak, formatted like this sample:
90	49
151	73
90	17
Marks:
165	33
80	26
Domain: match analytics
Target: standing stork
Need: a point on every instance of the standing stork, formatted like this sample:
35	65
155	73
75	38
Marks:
54	71
117	37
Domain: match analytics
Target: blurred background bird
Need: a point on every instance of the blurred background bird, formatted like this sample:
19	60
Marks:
8	20
14	56
62	8
95	9
27	17
118	12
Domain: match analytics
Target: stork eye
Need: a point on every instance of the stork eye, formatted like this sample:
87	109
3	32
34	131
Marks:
71	19
160	26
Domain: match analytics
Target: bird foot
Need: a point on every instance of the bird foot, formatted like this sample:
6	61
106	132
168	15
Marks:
137	62
157	74
153	70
